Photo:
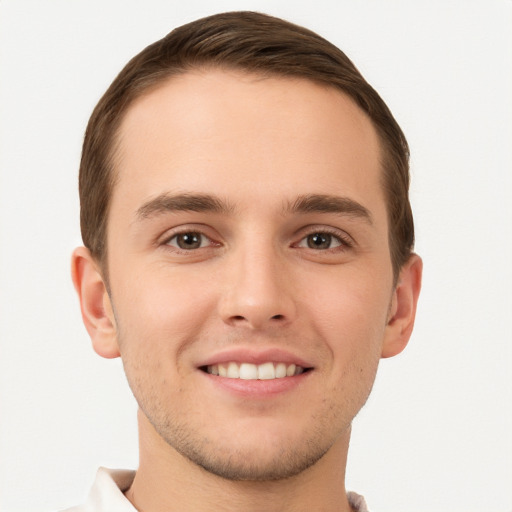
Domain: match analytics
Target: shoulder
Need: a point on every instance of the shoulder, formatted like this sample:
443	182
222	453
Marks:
357	502
106	494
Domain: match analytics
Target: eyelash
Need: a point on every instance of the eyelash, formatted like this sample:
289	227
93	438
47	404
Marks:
344	240
198	232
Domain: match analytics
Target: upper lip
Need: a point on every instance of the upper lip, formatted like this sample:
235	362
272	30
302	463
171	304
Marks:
255	356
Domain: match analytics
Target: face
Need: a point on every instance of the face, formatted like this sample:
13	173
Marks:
249	268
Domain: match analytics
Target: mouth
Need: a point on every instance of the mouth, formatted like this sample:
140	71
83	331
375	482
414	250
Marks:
249	371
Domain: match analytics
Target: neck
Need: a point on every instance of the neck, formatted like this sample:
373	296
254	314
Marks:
168	481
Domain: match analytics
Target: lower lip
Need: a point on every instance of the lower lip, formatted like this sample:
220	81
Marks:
258	388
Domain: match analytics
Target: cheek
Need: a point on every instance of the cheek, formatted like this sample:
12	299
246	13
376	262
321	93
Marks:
350	315
349	303
157	319
159	312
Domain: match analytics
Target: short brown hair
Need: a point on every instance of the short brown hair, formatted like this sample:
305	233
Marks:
251	42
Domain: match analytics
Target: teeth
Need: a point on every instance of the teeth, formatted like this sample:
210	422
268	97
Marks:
290	370
248	371
233	371
280	370
266	371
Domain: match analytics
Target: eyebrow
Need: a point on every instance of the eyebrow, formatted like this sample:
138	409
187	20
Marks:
309	203
166	202
320	203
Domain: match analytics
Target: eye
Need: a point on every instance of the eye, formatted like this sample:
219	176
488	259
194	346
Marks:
321	241
189	240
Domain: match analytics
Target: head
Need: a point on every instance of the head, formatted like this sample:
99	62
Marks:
250	42
244	206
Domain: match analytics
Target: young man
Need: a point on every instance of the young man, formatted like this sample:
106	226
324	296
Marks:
248	254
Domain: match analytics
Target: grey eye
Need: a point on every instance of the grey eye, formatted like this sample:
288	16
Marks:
322	241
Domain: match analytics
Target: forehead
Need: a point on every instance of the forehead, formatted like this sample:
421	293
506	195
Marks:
221	131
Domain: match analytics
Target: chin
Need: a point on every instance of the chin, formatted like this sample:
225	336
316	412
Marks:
272	454
253	465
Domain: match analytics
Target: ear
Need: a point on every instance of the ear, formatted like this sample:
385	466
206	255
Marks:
97	312
403	307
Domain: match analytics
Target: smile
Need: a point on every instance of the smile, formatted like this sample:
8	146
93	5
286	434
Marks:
249	371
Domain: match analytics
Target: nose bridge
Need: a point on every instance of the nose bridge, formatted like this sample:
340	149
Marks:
258	289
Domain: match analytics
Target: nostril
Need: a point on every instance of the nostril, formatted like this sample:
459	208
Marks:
257	319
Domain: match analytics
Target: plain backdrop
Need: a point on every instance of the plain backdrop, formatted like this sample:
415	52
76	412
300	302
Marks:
436	435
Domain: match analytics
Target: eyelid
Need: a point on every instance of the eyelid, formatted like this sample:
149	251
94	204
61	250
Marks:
345	239
200	229
204	239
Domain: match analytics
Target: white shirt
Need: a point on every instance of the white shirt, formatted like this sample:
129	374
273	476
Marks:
106	494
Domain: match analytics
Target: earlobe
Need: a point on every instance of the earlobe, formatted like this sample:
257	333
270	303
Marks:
97	313
403	307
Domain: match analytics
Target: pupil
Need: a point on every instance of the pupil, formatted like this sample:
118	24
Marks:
319	241
189	240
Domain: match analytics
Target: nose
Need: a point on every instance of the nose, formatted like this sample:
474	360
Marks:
258	291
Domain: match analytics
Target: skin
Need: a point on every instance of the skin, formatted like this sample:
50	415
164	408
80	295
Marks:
266	152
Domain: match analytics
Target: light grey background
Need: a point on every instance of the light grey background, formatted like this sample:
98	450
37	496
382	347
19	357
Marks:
436	434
